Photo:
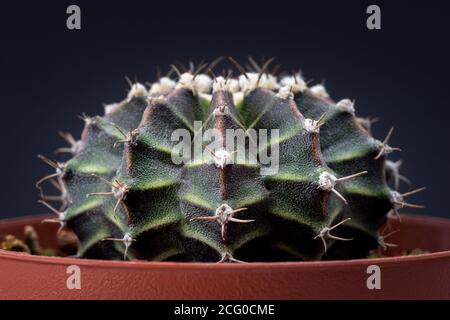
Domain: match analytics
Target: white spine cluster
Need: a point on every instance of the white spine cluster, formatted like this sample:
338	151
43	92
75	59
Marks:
155	99
394	168
233	85
61	220
119	191
252	80
109	108
238	98
248	81
223	215
269	82
163	86
346	105
325	233
320	91
202	83
127	241
137	90
296	83
327	181
396	199
221	110
311	125
285	93
62	216
219	84
222	158
186	81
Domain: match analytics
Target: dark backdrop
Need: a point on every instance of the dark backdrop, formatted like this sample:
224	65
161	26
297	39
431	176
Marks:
50	74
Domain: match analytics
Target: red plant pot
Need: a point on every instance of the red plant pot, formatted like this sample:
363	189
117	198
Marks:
424	276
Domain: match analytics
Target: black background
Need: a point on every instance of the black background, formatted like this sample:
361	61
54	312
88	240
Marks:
50	74
165	309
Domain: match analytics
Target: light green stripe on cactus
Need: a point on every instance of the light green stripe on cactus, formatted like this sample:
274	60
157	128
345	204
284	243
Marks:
167	254
158	218
348	150
249	199
366	188
208	160
296	174
155	144
288	177
197	200
302	218
110	128
249	236
286	135
84	206
290	249
157	183
100	233
100	166
255	122
201	235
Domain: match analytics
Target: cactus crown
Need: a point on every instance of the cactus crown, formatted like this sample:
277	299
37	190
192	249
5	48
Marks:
124	196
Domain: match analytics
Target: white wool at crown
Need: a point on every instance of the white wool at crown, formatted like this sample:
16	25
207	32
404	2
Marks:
204	86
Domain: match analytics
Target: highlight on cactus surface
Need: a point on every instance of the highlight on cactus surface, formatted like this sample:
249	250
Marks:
328	193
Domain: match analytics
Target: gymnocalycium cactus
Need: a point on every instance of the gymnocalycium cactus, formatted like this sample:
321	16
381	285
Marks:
126	198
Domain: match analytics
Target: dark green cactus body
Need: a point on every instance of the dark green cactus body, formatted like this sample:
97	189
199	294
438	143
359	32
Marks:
127	196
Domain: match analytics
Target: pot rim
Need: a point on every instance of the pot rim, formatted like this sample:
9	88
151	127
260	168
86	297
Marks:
303	265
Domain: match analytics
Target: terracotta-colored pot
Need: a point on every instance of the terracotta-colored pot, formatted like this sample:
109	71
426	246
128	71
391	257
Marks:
425	276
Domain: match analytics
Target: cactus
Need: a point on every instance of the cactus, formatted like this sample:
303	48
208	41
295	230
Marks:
125	198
